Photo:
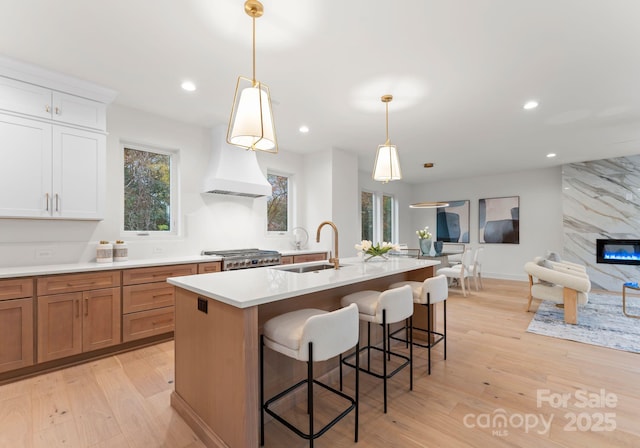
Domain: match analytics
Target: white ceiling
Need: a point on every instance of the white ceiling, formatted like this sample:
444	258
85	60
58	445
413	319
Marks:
459	71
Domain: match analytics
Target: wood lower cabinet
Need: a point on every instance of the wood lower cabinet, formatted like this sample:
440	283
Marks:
303	258
78	313
148	300
16	328
207	268
77	322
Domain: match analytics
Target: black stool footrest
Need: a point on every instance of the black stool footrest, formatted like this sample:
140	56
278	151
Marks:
419	344
368	370
290	425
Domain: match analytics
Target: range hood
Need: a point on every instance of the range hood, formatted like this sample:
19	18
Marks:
233	170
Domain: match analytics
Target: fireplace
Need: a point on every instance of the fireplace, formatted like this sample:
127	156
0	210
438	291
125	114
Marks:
618	251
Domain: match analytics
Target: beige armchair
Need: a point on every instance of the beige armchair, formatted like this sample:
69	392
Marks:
566	284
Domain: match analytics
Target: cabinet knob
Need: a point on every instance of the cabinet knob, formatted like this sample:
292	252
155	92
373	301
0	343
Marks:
58	111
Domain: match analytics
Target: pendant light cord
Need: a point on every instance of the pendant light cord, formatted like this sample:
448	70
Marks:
387	121
254	50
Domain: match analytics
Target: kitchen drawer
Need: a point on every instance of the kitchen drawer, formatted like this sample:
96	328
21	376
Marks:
156	274
147	296
286	260
309	257
147	323
206	268
16	288
56	284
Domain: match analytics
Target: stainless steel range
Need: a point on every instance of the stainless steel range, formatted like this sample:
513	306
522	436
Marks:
245	258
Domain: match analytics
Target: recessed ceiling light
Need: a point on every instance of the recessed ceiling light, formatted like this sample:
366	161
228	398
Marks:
530	105
188	86
551	155
304	129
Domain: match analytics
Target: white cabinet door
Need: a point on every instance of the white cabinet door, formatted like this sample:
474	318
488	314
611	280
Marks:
24	98
73	109
79	159
25	167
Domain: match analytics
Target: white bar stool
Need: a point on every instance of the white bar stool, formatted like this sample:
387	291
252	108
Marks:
310	335
430	292
384	308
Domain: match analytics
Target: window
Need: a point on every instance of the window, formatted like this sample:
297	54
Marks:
366	214
378	217
278	204
149	190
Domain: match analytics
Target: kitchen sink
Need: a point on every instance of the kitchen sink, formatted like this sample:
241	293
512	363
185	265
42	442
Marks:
308	268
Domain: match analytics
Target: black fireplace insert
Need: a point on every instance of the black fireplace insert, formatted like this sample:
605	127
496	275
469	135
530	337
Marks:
618	251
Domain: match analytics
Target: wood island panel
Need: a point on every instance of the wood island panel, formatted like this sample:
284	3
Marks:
216	355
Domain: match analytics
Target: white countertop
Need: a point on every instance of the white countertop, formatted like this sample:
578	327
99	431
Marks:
250	287
50	269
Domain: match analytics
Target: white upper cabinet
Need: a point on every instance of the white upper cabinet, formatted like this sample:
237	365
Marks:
52	144
17	97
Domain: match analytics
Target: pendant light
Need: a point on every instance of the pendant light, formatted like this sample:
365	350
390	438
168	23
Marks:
387	164
251	124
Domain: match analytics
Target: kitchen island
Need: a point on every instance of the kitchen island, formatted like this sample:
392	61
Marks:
219	318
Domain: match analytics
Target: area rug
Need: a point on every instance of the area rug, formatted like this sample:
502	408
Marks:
600	322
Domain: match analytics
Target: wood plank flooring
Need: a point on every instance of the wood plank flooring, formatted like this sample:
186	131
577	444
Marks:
494	368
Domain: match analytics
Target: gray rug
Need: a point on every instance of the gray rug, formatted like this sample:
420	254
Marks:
600	322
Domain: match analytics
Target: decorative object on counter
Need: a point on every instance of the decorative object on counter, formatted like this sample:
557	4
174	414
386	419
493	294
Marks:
299	238
437	247
104	252
379	250
251	125
120	251
387	164
424	238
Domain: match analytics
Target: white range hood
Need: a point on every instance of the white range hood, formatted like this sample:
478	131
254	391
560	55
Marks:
233	170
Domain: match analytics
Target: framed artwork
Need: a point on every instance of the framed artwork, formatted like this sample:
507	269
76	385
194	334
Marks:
452	222
499	220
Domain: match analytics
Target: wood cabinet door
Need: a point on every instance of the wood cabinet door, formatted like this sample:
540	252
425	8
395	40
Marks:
206	268
310	257
100	318
79	179
59	326
25	171
16	334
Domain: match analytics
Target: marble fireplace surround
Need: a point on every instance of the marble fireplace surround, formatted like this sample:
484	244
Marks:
601	200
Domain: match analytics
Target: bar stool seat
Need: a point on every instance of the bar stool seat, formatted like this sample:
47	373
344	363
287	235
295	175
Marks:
310	335
384	308
429	292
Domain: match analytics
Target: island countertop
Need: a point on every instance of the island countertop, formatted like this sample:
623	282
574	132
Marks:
250	287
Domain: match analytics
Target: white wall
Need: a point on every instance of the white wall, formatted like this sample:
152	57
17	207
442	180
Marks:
540	194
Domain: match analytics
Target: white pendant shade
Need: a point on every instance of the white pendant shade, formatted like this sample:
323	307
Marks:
251	123
387	164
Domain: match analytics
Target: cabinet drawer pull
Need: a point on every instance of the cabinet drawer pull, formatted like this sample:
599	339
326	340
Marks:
47	203
86	307
57	208
80	285
77	308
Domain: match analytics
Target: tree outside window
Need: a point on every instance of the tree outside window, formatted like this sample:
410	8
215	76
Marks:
147	191
377	217
366	215
278	204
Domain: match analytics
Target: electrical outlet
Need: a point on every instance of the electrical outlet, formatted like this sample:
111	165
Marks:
203	305
43	254
158	250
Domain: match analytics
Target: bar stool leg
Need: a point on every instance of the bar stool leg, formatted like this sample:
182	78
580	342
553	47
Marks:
261	390
310	393
357	393
368	345
445	330
429	336
411	354
385	347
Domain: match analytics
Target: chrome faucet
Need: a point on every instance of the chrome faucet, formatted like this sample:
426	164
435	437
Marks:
335	260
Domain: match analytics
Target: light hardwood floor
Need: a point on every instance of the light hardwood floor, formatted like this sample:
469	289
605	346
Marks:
494	367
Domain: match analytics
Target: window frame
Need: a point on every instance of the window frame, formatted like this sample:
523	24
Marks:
174	193
290	208
378	219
